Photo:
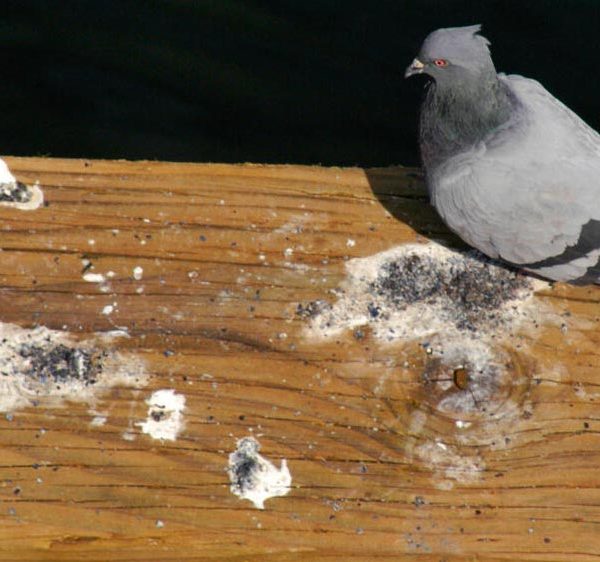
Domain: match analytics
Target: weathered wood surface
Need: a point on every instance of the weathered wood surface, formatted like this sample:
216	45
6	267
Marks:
228	253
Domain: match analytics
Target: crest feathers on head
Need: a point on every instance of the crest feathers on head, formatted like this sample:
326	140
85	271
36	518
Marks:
458	44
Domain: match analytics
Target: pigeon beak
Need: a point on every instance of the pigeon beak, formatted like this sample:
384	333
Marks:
415	67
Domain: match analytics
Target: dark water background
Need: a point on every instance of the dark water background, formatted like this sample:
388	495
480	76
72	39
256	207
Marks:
263	81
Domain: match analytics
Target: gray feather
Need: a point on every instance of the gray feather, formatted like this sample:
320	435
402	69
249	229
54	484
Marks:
509	168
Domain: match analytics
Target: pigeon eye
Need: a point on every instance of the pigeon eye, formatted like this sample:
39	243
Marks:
440	62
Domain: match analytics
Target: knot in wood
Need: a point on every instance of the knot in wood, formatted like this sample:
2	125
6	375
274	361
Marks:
472	381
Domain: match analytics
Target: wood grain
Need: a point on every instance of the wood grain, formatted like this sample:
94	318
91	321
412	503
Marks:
228	253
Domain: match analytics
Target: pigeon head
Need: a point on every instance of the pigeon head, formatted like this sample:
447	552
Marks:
452	54
465	100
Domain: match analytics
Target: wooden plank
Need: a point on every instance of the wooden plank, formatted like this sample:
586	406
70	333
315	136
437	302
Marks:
393	453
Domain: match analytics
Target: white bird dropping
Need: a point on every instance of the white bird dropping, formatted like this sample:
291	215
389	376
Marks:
255	478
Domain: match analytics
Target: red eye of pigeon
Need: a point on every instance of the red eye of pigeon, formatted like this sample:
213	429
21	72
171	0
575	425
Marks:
440	62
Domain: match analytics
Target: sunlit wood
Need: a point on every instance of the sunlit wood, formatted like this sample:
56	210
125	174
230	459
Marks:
227	253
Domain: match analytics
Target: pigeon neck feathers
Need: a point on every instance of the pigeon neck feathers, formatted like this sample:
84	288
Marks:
460	113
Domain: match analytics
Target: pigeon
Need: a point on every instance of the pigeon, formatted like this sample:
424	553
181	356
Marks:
509	168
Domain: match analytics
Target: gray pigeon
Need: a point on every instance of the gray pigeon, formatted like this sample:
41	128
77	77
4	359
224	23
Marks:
509	168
